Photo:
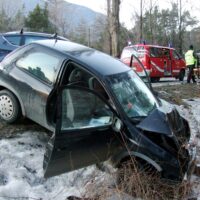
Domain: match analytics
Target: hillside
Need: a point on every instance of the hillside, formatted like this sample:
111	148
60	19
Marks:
76	15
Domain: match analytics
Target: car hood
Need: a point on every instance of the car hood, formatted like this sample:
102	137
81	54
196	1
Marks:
165	121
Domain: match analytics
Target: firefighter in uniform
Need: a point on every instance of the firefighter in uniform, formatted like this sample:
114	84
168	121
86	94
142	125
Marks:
190	60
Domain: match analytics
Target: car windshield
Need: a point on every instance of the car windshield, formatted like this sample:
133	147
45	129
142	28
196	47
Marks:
132	93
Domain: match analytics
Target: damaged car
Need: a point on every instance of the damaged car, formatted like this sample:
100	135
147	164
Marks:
96	107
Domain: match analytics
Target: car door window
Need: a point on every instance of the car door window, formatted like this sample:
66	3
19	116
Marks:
83	109
175	55
155	52
166	53
41	64
14	39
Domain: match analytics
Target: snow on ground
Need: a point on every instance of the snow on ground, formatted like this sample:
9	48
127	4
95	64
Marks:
193	116
166	82
21	172
171	81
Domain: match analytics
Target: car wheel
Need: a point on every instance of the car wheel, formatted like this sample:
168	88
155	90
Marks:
181	75
10	110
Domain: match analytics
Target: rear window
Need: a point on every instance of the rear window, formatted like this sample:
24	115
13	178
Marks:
14	39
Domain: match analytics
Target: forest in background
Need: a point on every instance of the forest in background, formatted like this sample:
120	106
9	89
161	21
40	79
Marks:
172	26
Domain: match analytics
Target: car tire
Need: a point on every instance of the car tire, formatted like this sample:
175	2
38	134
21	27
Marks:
181	75
10	110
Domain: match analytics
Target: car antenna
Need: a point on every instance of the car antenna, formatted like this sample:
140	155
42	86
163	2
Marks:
22	31
55	36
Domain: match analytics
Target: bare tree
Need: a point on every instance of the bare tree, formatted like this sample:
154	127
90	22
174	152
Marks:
141	20
151	24
11	19
184	22
109	24
61	20
113	7
180	28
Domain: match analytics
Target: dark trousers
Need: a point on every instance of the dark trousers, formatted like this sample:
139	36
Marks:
191	73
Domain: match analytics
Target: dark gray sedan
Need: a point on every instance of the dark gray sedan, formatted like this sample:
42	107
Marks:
97	108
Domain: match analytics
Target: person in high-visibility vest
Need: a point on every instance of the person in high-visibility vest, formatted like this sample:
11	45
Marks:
190	60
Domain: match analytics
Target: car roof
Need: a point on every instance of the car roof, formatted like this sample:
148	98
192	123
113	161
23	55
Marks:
32	34
97	61
27	33
149	45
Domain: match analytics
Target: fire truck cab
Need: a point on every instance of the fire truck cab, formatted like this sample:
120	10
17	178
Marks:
159	61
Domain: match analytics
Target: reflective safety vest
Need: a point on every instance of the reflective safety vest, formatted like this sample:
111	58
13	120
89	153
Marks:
189	58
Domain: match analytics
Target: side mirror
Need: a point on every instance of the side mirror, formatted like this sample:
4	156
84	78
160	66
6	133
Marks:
117	124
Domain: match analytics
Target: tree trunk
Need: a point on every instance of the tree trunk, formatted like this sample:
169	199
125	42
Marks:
141	21
109	25
150	22
115	28
113	21
180	28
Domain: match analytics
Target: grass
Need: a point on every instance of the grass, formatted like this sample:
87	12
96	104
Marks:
143	184
147	184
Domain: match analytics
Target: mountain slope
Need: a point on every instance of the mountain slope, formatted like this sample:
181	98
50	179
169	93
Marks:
79	13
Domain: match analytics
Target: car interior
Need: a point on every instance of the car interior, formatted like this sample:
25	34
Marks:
81	108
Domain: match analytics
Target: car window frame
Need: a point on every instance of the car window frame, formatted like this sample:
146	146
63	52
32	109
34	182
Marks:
6	36
95	94
157	49
33	36
176	55
45	49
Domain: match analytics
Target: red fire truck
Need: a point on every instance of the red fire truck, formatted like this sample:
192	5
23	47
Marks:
158	61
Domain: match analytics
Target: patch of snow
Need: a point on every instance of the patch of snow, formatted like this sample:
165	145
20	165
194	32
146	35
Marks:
21	172
193	116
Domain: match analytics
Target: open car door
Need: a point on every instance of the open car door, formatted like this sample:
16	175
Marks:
83	134
138	67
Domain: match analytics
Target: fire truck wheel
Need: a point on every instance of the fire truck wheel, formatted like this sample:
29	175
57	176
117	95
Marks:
181	75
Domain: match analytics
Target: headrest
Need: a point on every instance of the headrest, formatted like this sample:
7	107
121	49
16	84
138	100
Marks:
76	75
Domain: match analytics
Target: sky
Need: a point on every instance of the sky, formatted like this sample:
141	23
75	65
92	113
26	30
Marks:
128	7
100	6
